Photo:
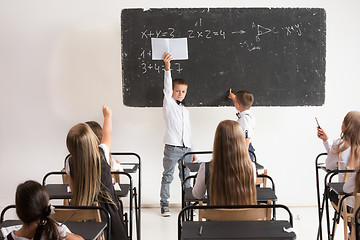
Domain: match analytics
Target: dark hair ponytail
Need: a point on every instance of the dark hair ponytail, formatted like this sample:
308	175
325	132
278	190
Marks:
32	204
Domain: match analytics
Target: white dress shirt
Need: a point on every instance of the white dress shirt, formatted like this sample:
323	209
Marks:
247	121
177	119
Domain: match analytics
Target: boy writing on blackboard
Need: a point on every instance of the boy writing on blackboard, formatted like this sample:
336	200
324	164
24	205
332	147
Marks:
177	135
243	100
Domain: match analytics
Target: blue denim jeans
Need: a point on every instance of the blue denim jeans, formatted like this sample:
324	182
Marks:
172	155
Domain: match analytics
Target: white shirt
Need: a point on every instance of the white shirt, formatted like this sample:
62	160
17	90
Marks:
349	187
199	189
334	160
177	119
62	231
247	121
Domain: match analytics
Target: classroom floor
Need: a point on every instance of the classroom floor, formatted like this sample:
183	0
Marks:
157	227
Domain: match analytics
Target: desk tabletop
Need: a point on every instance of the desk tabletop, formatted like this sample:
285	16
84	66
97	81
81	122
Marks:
236	230
130	167
88	230
337	187
262	194
59	191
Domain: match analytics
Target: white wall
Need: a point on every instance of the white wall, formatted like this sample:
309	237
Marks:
60	61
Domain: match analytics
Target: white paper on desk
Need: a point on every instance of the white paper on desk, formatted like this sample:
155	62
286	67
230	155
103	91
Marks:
6	230
117	187
177	47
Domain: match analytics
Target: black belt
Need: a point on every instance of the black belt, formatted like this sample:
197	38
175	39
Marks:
183	146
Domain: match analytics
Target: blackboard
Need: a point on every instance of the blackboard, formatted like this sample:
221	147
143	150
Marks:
278	54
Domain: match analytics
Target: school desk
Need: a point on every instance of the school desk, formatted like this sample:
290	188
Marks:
216	230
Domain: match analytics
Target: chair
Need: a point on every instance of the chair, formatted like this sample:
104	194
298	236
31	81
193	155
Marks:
357	223
85	221
320	165
337	187
234	222
66	214
135	168
264	196
60	191
348	216
341	207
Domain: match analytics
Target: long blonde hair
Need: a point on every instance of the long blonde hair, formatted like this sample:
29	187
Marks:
85	164
231	170
350	137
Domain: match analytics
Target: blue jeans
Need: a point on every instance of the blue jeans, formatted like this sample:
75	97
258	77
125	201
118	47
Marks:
172	155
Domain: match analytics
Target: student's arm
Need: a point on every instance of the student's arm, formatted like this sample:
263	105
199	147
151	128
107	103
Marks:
232	96
107	126
199	189
331	161
247	140
167	75
322	134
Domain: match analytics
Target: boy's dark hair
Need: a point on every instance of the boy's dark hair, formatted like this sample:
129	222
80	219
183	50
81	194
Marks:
179	81
245	99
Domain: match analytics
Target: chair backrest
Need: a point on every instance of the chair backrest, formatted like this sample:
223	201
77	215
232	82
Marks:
2	215
76	215
245	214
65	214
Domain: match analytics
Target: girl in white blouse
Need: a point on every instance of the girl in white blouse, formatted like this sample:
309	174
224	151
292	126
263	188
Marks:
230	176
344	152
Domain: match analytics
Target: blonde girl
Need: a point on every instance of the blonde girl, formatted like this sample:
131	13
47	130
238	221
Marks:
230	176
90	174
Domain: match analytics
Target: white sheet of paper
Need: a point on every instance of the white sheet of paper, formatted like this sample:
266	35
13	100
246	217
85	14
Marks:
177	47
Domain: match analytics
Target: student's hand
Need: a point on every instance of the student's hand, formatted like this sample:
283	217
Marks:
167	58
106	111
231	95
322	134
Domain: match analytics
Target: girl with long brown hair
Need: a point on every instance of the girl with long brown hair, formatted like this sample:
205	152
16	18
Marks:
230	176
90	174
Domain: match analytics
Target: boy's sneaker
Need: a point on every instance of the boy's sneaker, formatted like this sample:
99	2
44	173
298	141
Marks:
165	212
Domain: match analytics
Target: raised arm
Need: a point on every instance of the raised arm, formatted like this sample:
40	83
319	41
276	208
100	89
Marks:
322	134
167	59
168	91
232	96
107	126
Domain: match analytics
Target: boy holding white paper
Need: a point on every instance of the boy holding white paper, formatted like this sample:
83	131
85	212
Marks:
177	137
